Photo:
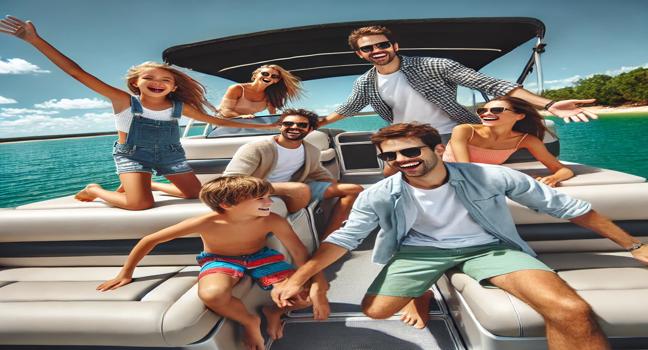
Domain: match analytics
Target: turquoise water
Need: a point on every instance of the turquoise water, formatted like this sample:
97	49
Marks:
39	170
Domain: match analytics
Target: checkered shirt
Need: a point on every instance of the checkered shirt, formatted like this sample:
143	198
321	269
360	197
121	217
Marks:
434	78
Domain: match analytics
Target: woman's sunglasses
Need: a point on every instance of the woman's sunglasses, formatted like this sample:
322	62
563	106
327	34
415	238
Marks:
267	74
381	45
407	152
493	110
301	125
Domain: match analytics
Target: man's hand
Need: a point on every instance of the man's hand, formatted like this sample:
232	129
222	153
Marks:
282	292
321	307
641	254
569	110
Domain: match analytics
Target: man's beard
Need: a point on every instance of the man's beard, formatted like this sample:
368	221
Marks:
426	166
287	136
391	55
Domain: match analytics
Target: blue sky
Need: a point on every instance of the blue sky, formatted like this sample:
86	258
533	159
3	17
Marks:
107	37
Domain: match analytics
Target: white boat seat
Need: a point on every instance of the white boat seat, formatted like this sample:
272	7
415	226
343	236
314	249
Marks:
585	175
609	279
616	201
213	148
67	248
617	296
60	306
68	202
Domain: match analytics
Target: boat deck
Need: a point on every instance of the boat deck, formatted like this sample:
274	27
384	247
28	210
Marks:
348	328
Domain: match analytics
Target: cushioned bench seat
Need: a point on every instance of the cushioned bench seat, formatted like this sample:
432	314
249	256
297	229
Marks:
55	253
617	295
615	284
60	306
585	175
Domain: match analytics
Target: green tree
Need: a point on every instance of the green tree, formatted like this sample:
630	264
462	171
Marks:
630	87
599	87
566	93
633	85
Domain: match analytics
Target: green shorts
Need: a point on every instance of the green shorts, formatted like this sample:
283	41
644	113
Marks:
413	270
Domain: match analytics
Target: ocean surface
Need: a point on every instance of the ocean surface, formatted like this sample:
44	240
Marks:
37	170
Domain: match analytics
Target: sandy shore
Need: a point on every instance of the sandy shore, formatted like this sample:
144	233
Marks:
611	110
622	109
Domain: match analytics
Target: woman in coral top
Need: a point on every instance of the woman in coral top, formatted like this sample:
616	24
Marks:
509	124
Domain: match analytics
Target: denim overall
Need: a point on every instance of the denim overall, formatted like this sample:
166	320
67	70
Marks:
151	144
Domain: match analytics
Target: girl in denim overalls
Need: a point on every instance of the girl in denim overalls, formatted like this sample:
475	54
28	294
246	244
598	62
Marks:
147	124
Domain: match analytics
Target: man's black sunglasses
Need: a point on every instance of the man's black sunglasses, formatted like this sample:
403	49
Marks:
267	74
407	152
381	45
302	125
494	110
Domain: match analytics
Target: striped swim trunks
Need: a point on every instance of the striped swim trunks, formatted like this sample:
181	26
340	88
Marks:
266	267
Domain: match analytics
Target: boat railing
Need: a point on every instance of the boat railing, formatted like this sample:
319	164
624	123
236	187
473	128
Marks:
207	128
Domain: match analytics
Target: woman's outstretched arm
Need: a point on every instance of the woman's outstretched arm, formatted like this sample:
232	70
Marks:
198	115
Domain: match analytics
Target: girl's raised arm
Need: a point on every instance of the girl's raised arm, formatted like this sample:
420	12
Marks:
26	31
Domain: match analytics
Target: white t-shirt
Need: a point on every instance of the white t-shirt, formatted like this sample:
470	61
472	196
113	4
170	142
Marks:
289	160
408	105
443	221
124	118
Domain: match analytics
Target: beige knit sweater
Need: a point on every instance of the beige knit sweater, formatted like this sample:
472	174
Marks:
259	158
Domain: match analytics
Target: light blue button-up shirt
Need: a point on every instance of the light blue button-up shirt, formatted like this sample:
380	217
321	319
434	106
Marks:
481	188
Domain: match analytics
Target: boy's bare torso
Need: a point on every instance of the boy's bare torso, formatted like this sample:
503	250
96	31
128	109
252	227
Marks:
234	238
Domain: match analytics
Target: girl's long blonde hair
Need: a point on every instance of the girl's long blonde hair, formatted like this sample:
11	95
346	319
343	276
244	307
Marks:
288	88
188	90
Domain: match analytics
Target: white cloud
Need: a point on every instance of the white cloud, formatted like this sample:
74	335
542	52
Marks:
19	66
624	69
325	110
77	103
6	100
38	124
11	112
99	117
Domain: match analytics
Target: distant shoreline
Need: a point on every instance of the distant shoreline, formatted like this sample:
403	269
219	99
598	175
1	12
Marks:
602	110
54	137
620	109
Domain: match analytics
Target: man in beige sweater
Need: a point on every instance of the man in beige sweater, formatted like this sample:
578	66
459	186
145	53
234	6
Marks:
293	167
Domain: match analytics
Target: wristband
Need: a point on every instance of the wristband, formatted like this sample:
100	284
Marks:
635	246
548	105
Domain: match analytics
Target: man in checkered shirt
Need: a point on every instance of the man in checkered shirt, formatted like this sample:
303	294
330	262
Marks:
404	89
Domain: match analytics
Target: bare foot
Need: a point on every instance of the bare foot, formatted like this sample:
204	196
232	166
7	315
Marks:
415	313
273	319
252	337
84	195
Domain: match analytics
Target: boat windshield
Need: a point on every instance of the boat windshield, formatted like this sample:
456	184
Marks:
223	131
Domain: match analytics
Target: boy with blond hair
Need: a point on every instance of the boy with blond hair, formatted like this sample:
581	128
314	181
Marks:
234	243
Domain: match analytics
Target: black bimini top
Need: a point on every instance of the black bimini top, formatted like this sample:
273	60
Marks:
321	51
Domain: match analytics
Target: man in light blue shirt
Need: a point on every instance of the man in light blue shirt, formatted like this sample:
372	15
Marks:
417	246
